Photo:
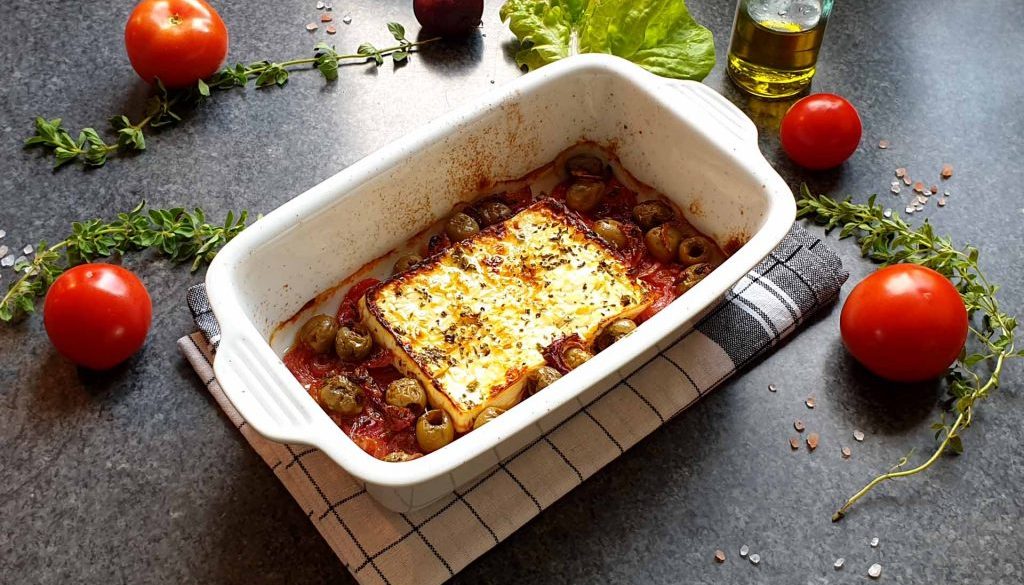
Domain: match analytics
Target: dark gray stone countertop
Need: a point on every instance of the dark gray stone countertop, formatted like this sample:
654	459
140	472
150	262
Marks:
134	476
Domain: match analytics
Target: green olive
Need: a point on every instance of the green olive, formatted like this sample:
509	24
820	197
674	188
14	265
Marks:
461	226
406	262
398	456
492	212
543	377
663	241
343	396
318	333
406	393
575	357
615	331
352	345
434	430
584	165
487	415
696	250
584	195
652	213
611	232
691	276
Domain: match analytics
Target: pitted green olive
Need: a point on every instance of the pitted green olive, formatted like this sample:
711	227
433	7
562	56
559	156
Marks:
611	231
584	195
696	250
575	357
406	262
318	333
652	213
461	226
543	377
615	331
398	456
584	165
343	396
434	429
663	241
492	212
352	345
406	393
691	276
487	415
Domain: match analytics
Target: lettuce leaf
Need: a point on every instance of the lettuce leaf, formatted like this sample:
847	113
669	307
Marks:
658	35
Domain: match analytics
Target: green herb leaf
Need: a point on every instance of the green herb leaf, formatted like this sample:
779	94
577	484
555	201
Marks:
397	31
659	35
203	88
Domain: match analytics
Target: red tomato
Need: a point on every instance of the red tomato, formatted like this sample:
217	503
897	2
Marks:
905	323
820	131
179	41
97	315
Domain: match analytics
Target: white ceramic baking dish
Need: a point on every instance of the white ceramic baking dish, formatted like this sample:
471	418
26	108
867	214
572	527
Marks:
681	138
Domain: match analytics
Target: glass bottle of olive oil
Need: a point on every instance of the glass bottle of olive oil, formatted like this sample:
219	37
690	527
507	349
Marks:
775	43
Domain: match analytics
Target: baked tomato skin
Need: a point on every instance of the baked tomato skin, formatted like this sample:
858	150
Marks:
178	41
97	315
905	323
820	131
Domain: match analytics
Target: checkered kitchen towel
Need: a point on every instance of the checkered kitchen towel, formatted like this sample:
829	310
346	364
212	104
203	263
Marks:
428	546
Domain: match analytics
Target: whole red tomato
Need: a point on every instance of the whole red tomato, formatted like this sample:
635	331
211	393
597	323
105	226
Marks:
905	323
178	41
97	315
820	131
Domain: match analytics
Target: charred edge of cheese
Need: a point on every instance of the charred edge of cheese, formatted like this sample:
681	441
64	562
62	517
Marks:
482	257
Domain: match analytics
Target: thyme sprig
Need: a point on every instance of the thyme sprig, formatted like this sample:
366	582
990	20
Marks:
93	151
177	233
975	375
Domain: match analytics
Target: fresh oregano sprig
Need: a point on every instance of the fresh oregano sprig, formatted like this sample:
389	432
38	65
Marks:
93	151
177	233
973	377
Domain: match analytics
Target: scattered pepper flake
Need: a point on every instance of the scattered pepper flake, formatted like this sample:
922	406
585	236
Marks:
934	189
772	388
331	29
846	452
719	556
947	171
901	172
812	441
794	443
858	435
942	202
326	17
799	426
312	27
906	180
919	187
809	402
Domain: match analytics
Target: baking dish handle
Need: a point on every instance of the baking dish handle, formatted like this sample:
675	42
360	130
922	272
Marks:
719	109
264	392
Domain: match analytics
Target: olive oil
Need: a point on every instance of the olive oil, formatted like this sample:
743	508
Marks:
775	44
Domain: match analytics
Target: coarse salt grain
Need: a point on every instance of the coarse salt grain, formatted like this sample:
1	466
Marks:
846	452
883	144
839	563
858	435
875	571
799	426
744	550
312	27
812	441
809	402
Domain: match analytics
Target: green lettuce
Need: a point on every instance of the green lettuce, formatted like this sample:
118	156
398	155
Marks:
658	35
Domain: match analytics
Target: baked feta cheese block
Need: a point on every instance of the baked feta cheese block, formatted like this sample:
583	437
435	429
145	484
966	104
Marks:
470	322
